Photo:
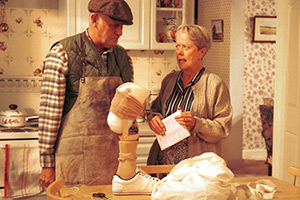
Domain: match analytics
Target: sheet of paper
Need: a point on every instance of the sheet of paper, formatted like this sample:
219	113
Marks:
175	132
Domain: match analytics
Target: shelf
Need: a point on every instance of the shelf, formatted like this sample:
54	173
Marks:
169	9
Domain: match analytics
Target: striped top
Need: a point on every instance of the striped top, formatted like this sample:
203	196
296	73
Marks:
180	97
183	98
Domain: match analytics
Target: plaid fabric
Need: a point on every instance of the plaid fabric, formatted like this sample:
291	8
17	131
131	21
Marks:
52	100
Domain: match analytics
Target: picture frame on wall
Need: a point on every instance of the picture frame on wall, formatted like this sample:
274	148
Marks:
217	30
264	29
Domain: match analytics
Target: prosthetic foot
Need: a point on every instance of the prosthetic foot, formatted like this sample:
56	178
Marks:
125	108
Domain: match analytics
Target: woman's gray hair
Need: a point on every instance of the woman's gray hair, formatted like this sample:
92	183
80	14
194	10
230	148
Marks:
198	34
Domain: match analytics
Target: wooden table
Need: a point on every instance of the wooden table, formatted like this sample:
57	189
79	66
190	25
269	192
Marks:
86	193
284	191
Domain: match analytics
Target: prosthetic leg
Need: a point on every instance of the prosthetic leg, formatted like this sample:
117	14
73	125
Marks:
125	108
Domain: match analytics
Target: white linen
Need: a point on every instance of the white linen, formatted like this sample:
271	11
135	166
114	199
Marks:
22	170
206	177
202	177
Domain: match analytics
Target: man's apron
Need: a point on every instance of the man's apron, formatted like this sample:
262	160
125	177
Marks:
87	150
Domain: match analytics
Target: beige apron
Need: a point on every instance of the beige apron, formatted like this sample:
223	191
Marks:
87	151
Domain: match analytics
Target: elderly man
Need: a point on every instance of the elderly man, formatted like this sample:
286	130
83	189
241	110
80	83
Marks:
80	76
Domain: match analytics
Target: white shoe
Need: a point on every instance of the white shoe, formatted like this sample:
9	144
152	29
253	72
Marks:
141	183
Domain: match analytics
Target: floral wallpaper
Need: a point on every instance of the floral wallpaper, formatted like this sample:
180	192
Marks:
217	59
25	44
259	72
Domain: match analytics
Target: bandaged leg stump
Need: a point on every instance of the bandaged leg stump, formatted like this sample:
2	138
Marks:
125	108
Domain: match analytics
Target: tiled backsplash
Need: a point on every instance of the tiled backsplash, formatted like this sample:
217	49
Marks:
20	85
150	67
23	47
29	37
32	32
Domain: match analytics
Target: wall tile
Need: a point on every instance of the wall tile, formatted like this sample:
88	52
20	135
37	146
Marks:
150	67
18	46
17	20
141	71
30	36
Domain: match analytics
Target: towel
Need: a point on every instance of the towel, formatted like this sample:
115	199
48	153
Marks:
21	170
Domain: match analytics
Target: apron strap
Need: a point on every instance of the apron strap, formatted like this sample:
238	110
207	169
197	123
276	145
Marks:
83	57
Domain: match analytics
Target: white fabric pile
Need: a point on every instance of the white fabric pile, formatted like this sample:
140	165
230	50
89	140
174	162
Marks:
206	177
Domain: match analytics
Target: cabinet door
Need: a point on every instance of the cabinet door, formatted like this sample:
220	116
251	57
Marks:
82	15
75	14
137	36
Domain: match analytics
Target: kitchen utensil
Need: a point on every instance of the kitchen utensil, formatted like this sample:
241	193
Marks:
3	25
14	118
100	195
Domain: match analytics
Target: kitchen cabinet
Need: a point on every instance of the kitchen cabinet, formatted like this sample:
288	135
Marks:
75	14
152	24
165	20
137	35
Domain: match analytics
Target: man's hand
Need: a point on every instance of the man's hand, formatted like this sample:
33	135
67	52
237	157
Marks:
47	176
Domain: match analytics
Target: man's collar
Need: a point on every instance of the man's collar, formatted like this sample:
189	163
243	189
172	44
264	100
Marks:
103	50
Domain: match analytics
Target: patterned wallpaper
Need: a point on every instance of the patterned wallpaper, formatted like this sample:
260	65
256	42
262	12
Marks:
217	59
29	37
259	74
259	61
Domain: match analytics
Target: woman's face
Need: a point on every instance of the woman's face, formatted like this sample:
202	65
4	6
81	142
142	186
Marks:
187	53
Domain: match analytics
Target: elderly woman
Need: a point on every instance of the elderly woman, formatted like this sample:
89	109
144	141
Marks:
201	95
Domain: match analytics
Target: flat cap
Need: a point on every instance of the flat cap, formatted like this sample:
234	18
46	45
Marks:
117	10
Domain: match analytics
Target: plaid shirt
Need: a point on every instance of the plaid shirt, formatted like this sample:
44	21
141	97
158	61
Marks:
52	101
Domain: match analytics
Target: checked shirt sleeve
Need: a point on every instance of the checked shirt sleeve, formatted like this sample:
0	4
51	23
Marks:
53	90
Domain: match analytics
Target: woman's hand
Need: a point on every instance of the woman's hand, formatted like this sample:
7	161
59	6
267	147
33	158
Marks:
186	119
157	126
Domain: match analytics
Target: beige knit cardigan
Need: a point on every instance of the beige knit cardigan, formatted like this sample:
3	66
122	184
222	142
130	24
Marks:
211	108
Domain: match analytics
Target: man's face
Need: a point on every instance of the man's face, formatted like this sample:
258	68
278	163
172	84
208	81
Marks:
108	32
